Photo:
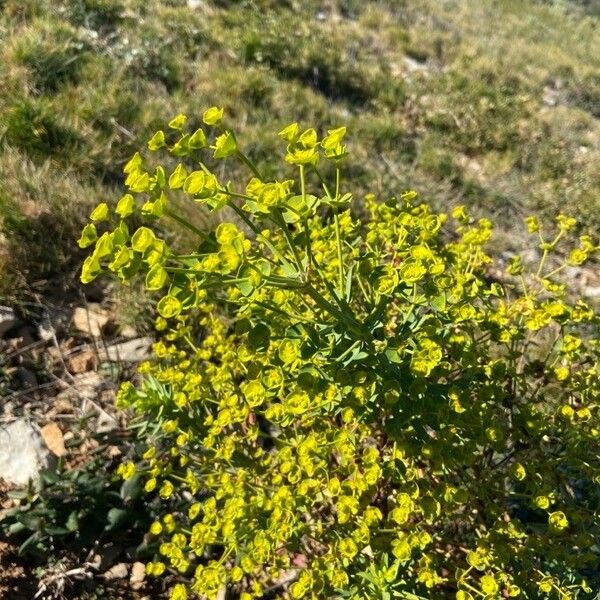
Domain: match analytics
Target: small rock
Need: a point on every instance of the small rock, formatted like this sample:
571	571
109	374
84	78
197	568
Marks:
414	65
61	406
45	329
222	593
84	385
94	562
82	362
592	292
138	574
128	332
113	451
551	96
8	319
131	351
92	320
22	452
53	323
54	439
118	571
105	423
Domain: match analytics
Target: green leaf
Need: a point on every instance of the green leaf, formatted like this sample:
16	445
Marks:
178	177
178	122
181	148
90	270
15	528
335	137
104	246
245	286
131	488
126	206
168	307
439	303
17	494
160	176
225	145
157	141
100	213
194	182
156	278
30	520
140	183
122	258
134	164
50	477
88	236
142	239
115	518
259	337
290	133
348	291
393	355
54	530
198	140
72	523
213	115
29	542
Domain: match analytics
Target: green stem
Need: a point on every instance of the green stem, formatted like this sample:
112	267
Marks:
322	182
309	253
280	221
259	235
546	252
287	282
302	184
236	195
187	225
248	163
338	234
338	238
542	262
350	322
555	271
289	315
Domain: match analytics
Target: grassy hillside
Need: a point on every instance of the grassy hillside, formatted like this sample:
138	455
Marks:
494	103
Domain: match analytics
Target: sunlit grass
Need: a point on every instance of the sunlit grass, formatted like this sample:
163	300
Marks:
494	104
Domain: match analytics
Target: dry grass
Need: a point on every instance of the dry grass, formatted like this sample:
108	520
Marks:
493	104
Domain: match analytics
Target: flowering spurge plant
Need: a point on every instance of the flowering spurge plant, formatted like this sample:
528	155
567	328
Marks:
353	408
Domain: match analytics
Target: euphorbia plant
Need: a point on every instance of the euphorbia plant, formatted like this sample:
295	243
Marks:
354	408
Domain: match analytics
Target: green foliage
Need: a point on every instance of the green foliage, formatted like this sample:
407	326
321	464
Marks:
96	14
372	408
39	219
340	70
33	126
75	508
53	56
472	103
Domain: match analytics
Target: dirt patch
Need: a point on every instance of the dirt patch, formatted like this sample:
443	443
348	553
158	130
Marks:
16	580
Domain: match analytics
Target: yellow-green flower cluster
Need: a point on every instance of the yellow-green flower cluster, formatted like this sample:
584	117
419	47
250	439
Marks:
354	408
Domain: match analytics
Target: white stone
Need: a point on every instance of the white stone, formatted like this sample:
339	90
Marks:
22	452
133	351
91	319
8	319
118	571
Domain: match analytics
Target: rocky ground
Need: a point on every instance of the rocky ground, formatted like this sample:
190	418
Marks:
59	369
